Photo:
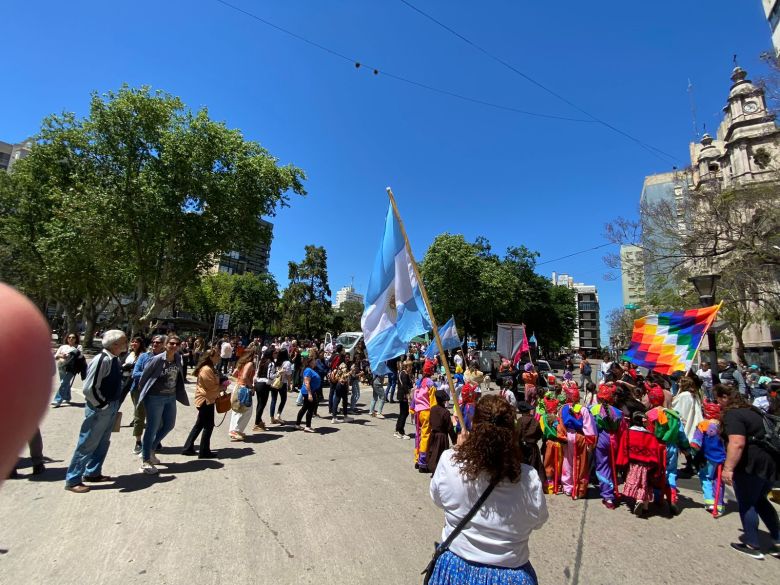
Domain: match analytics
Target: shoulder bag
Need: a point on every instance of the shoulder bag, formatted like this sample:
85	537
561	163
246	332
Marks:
444	546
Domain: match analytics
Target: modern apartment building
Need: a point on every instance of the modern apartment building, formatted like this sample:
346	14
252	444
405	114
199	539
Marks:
347	293
772	12
10	153
587	334
254	260
632	273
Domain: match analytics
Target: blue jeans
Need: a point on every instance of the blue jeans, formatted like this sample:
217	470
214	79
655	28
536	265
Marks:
392	380
378	398
751	492
355	394
66	381
160	420
94	440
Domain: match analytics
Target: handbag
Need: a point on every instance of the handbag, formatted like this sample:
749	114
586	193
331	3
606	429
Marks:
223	402
444	546
277	383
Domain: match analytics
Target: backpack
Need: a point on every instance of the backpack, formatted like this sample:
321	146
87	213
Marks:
71	364
770	440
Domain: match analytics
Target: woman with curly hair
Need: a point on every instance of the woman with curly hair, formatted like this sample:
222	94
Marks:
493	545
750	468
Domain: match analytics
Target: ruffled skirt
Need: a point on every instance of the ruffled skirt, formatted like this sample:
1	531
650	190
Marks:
451	569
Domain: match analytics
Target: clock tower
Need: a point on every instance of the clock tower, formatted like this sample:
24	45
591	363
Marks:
748	137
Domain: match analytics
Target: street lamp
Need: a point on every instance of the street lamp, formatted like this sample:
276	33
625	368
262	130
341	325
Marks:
705	285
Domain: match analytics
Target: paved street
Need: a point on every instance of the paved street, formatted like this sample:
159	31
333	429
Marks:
340	506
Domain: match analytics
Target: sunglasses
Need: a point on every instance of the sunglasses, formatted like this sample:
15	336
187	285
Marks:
173	343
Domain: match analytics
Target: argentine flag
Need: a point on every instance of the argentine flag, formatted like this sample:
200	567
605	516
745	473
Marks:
395	311
449	339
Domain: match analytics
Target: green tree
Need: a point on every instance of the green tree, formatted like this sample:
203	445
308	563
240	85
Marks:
254	302
149	191
305	306
480	289
347	317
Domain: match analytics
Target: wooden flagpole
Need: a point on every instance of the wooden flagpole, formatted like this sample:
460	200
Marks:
450	381
703	335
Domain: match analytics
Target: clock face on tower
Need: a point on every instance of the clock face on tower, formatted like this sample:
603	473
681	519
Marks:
751	107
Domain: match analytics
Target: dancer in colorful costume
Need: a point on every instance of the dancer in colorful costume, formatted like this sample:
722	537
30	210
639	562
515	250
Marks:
530	378
423	399
645	464
578	429
468	400
708	442
547	411
608	422
665	424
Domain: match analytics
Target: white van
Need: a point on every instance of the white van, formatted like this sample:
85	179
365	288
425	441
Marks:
349	341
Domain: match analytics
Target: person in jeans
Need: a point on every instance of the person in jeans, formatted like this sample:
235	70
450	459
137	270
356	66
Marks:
66	378
405	383
139	412
750	469
207	391
585	372
102	394
309	390
392	379
378	398
340	392
354	380
162	384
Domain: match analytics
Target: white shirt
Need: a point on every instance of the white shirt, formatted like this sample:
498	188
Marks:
498	533
705	377
65	349
458	360
225	350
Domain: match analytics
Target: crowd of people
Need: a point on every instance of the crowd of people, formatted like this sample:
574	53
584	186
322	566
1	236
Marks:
540	434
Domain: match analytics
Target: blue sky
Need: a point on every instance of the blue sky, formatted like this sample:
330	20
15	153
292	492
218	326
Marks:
454	166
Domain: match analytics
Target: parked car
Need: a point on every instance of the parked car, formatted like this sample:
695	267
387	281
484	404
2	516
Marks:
349	341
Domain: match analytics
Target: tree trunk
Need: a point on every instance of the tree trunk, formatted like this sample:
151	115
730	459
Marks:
740	346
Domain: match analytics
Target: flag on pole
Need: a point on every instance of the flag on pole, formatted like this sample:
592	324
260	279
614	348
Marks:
449	339
395	311
668	342
524	348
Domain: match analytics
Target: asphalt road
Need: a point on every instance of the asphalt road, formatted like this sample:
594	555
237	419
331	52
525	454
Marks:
343	506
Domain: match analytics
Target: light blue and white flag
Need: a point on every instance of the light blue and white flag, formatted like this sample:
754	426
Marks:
395	311
449	339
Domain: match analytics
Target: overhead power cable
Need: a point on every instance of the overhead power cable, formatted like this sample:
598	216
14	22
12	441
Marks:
533	81
376	70
574	254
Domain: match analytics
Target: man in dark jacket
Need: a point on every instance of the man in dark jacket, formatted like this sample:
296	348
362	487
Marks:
102	394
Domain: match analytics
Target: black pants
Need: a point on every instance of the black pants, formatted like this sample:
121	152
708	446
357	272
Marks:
263	391
280	396
341	396
205	423
308	408
402	416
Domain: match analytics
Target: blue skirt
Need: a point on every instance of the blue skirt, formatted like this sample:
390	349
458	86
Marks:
450	569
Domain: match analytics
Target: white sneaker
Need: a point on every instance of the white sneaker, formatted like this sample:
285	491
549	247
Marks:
398	435
334	420
407	437
153	458
308	430
379	415
148	467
